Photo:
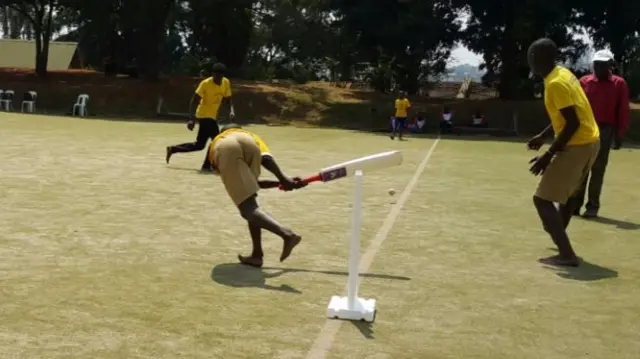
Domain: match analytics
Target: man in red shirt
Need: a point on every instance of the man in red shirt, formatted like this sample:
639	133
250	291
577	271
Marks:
609	98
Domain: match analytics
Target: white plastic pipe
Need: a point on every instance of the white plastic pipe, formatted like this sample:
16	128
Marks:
354	251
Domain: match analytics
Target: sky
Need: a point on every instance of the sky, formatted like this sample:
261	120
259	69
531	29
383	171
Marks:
461	55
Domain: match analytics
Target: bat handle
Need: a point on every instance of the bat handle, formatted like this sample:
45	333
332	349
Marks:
314	178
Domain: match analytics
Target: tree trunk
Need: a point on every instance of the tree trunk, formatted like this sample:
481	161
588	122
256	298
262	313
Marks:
39	47
149	37
42	61
508	87
16	23
5	20
43	39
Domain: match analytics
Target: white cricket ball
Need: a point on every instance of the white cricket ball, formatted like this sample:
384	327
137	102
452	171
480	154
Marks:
392	192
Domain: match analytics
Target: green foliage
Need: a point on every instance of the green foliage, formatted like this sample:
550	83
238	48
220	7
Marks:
502	30
403	42
389	43
615	23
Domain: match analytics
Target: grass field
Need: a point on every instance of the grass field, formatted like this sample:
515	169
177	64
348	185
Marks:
106	252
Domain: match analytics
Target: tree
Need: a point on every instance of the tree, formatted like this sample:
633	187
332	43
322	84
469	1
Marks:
615	23
39	13
292	39
219	29
14	24
402	42
502	31
145	24
126	36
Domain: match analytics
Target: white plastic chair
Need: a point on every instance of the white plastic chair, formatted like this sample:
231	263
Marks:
6	103
81	105
30	105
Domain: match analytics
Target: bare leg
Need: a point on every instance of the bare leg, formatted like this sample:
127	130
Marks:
256	217
569	209
206	164
554	224
255	260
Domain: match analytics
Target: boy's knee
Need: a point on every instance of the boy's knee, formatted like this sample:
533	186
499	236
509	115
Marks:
540	202
248	209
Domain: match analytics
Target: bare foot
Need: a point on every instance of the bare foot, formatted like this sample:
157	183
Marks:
560	261
289	243
250	261
169	154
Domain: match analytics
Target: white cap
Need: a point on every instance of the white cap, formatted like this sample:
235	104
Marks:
602	56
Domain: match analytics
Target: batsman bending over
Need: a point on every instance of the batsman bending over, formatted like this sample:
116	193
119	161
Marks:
238	155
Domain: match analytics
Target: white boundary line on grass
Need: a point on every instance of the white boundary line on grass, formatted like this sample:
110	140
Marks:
324	341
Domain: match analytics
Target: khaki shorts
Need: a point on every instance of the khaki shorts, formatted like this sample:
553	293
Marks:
237	157
566	172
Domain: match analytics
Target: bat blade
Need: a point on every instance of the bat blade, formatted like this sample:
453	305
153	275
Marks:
365	164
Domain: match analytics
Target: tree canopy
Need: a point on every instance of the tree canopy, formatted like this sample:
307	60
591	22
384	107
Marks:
391	44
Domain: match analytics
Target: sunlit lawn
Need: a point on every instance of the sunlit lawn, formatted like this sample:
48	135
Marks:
106	252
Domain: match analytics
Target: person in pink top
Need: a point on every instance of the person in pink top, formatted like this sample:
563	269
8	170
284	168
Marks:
608	95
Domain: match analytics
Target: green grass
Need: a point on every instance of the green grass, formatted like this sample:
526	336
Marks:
106	252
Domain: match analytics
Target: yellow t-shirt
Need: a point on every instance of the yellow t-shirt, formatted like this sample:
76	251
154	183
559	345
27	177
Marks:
211	95
562	90
264	149
402	105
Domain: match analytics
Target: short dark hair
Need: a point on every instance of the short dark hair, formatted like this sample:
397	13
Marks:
219	68
545	48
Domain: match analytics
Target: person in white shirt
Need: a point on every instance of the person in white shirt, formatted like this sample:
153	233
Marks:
446	124
478	120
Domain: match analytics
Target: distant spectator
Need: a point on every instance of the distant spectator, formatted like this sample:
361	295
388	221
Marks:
402	106
478	120
419	124
446	123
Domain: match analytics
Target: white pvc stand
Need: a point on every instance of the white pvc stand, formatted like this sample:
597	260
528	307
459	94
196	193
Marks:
353	307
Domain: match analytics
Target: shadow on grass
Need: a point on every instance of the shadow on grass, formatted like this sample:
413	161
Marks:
365	328
240	276
364	275
237	275
629	226
586	272
193	170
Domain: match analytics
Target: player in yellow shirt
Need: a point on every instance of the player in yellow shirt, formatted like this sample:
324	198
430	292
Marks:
212	94
237	155
568	160
402	106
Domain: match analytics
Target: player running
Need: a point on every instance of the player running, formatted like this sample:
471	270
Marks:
212	94
238	155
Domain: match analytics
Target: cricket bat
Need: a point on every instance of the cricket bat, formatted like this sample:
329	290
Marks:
364	164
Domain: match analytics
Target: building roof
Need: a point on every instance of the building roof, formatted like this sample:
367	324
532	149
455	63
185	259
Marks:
22	54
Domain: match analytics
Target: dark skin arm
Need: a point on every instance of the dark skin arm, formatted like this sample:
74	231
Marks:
195	99
270	164
547	132
287	182
264	184
540	163
538	140
227	101
570	129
